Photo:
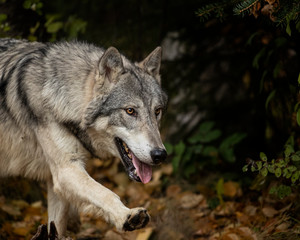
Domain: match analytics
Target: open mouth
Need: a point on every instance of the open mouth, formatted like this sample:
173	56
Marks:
136	169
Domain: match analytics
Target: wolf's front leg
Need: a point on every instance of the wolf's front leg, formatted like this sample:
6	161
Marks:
72	183
58	208
75	185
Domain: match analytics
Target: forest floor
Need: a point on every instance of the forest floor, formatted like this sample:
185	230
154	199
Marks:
179	210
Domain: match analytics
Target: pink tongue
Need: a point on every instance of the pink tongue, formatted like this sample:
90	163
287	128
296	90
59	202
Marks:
143	170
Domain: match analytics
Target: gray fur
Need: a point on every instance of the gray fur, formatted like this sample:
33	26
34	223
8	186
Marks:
61	104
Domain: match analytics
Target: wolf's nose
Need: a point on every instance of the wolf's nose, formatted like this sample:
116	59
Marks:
158	155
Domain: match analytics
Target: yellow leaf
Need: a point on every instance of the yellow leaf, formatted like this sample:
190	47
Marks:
144	234
231	189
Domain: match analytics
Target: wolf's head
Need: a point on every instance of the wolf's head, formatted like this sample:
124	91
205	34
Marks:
125	110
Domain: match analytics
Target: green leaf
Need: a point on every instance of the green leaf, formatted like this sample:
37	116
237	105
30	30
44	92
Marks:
245	168
186	157
189	170
292	168
271	168
3	17
258	56
288	150
288	175
205	134
298	28
277	70
175	163
205	137
299	73
296	157
261	85
285	172
206	126
210	151
263	156
298	117
169	147
290	141
278	172
283	191
264	172
27	4
259	165
179	150
250	39
288	29
271	95
198	148
295	176
54	27
74	26
273	190
228	144
220	189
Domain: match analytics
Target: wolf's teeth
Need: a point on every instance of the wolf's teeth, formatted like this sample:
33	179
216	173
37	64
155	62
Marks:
129	155
125	147
135	172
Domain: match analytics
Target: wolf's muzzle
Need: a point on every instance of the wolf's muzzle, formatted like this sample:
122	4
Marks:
158	155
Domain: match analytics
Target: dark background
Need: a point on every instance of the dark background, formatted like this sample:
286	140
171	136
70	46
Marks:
222	70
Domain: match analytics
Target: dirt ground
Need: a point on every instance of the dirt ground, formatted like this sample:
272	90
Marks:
179	209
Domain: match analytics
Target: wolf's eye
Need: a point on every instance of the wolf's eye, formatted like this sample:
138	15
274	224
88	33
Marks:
157	111
130	111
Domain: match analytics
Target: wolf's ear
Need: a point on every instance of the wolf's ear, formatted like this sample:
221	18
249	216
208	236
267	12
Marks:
152	63
111	64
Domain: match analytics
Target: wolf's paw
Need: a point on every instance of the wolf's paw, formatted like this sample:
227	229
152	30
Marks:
138	218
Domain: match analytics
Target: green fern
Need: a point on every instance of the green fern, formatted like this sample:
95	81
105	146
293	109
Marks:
216	8
286	12
244	7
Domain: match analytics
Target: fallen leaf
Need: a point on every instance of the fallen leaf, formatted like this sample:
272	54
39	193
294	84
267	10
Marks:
32	211
137	194
170	233
37	204
250	210
144	234
228	208
155	182
173	190
121	179
230	236
270	225
11	210
243	218
21	204
231	189
112	235
167	169
190	200
215	236
282	227
269	212
247	233
20	228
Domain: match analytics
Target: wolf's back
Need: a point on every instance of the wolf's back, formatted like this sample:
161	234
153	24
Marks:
6	43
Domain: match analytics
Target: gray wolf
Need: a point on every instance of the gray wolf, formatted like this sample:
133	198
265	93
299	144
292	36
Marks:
63	103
